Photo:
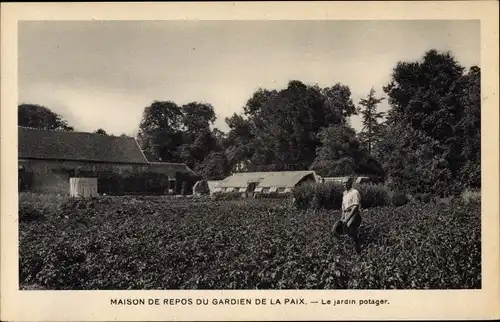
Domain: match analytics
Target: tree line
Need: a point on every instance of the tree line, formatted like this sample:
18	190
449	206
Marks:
428	141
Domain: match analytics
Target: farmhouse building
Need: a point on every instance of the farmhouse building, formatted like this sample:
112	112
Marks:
47	159
280	182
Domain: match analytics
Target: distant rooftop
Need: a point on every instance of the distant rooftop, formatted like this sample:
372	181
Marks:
77	146
265	179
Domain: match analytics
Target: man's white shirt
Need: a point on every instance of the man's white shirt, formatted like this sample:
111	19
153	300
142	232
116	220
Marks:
350	198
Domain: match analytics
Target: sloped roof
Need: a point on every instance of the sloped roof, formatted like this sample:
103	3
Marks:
77	146
212	184
284	179
167	167
339	179
242	179
265	179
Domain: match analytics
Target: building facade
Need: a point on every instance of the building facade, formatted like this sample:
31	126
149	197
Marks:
48	159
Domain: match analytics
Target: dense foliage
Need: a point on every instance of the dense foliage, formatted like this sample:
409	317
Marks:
432	143
168	243
372	128
340	153
173	133
280	129
329	196
40	117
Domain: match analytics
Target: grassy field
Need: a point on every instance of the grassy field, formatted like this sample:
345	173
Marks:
169	243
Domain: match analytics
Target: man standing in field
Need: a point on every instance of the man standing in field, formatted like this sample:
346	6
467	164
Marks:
351	213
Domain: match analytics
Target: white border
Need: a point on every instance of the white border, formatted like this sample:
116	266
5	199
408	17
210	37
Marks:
94	305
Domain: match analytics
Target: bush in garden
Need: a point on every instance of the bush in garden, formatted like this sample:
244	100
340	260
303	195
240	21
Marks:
318	195
328	195
302	195
373	195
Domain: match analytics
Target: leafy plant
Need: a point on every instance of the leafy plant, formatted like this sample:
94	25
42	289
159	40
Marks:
161	242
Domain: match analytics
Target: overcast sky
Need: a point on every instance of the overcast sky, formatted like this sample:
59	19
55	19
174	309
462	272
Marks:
103	74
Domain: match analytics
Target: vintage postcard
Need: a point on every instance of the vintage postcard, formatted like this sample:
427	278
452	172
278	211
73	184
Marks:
249	161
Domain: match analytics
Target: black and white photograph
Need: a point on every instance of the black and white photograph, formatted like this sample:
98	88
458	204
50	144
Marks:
249	155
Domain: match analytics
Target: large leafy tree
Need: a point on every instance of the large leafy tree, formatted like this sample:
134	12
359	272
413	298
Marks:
257	100
278	128
220	138
371	118
197	116
173	133
198	140
434	104
214	167
40	117
286	126
239	142
194	152
416	162
340	154
468	128
338	104
160	131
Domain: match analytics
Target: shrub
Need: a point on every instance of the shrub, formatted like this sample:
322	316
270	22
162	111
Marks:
329	196
326	196
373	195
302	195
318	195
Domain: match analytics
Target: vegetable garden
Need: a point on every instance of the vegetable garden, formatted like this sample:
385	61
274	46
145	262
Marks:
179	243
